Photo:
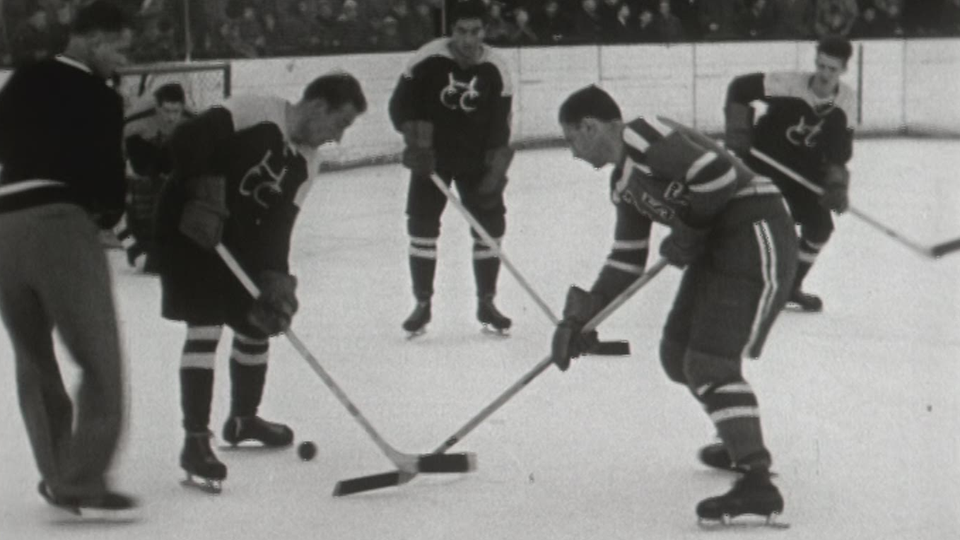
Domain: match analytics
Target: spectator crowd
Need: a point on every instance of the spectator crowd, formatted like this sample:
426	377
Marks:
178	29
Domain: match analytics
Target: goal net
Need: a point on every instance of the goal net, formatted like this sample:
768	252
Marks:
204	83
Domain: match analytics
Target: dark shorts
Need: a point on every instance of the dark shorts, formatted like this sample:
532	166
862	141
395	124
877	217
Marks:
816	222
728	301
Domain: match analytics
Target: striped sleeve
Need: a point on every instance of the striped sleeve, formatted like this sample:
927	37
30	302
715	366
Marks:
628	255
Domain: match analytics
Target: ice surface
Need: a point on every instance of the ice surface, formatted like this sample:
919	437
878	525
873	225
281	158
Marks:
859	404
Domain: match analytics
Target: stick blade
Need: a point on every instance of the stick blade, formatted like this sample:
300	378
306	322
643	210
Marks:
370	483
447	463
945	248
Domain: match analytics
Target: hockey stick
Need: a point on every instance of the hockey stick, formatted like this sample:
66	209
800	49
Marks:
923	251
943	248
377	481
406	463
605	348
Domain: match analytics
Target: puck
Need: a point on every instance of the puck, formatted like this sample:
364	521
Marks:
307	450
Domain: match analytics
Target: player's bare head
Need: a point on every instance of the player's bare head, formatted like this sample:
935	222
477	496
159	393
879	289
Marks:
837	47
833	52
100	36
171	101
466	25
591	121
330	104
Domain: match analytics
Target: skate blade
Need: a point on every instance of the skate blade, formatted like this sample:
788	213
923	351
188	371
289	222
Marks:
416	333
206	485
797	308
741	522
495	332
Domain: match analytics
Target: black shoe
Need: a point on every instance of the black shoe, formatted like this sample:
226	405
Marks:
109	505
417	320
806	302
238	429
198	459
753	493
489	315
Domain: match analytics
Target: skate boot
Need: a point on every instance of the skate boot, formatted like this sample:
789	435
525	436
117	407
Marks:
490	317
715	455
238	429
416	323
107	506
753	493
805	302
199	461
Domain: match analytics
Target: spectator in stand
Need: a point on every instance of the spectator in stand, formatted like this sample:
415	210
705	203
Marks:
522	34
608	10
354	31
646	30
759	20
328	26
251	30
667	26
891	11
688	11
496	30
587	26
950	18
154	43
624	29
871	25
835	17
719	19
389	38
299	33
32	39
551	24
415	22
794	19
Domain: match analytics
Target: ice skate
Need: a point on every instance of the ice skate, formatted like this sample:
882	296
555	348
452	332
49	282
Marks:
752	494
490	317
716	456
108	506
238	429
416	323
804	302
204	470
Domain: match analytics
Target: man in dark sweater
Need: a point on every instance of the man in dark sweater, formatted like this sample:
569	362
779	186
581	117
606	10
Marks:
61	180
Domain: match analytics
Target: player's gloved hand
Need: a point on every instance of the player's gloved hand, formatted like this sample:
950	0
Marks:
684	245
418	155
568	340
836	181
738	128
495	164
273	311
205	212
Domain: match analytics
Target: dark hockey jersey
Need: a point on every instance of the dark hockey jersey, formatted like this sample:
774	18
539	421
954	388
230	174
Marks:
268	176
60	131
683	178
469	107
798	129
144	137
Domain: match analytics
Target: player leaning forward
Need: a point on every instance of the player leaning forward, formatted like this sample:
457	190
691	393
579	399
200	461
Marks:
452	105
807	126
730	230
241	172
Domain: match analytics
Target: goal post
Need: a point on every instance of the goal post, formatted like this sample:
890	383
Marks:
204	83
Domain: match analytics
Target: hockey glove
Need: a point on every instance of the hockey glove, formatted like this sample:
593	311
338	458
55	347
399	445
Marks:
836	180
738	128
684	245
568	340
418	153
205	212
273	311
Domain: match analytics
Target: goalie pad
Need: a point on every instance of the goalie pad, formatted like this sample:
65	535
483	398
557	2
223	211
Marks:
836	182
738	134
273	311
205	211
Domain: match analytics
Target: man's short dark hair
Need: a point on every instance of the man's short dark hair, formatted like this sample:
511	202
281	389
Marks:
465	9
100	16
337	90
836	46
589	102
170	93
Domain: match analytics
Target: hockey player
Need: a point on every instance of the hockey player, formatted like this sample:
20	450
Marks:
808	127
731	232
62	180
453	105
241	172
145	134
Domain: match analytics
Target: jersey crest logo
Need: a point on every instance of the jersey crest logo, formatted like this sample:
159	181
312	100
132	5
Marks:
460	95
262	183
676	192
804	134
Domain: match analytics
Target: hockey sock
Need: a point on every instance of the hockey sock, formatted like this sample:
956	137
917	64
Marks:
248	373
486	268
197	362
423	266
733	408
